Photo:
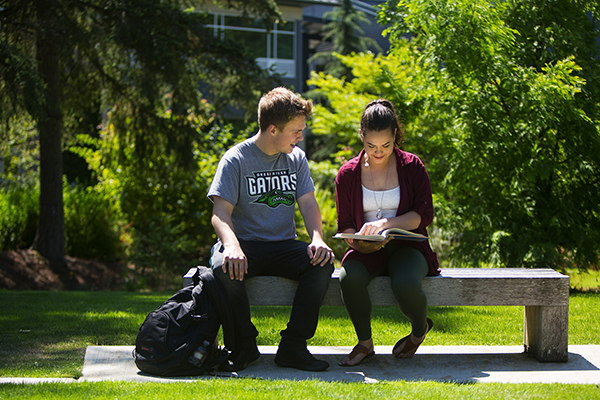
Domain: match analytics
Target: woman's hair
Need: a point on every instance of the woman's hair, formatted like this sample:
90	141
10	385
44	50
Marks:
380	115
280	106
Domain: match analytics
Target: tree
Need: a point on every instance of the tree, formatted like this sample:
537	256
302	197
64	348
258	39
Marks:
347	37
521	82
62	59
397	77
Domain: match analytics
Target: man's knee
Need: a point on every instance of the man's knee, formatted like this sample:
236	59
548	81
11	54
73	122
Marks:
327	269
323	274
218	273
318	278
224	279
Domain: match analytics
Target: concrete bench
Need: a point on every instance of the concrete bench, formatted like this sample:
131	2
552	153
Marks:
543	292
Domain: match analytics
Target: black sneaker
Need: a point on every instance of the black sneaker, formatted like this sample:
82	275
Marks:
299	359
238	360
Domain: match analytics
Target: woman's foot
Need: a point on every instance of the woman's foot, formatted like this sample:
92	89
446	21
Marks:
363	350
408	345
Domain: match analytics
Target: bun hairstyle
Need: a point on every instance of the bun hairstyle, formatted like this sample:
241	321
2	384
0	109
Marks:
380	115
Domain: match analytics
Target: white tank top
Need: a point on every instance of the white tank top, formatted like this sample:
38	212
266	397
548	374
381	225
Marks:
386	200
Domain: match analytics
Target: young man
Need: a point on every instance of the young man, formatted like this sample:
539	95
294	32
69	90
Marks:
254	192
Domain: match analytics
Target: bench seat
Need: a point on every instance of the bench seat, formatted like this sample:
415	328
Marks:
543	292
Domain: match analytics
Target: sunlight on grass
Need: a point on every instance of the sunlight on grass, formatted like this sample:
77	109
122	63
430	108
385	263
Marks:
313	389
45	334
584	280
583	327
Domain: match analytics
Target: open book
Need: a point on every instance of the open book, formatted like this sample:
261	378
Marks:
395	233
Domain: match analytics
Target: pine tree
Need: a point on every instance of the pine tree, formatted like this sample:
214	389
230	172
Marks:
59	58
346	36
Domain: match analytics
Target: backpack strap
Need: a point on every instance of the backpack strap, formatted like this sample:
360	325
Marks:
221	303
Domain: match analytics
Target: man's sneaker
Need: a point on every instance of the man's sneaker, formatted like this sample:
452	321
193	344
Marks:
239	359
299	359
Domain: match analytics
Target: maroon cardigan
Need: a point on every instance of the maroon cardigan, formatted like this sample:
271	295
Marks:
415	195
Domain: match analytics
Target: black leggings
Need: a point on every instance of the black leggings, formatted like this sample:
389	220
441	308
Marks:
406	267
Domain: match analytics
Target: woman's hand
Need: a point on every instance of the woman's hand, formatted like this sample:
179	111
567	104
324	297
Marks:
374	227
370	228
367	246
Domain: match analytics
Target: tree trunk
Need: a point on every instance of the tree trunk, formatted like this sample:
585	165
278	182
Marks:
50	237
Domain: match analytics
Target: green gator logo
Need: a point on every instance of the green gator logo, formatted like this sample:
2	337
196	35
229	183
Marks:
275	198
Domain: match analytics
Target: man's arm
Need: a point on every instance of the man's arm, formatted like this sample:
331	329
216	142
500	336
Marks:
318	251
233	256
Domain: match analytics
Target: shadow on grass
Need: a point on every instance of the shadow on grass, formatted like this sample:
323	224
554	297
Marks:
49	331
502	325
46	333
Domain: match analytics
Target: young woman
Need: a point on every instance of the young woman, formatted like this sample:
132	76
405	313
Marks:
384	187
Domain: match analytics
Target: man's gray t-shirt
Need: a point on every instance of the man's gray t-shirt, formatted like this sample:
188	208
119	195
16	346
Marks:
263	190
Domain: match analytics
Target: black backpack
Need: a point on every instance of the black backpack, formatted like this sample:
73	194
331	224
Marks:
169	338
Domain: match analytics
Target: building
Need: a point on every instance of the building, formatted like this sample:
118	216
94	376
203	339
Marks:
286	47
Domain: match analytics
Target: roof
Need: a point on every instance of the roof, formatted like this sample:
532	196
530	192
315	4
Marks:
306	3
369	7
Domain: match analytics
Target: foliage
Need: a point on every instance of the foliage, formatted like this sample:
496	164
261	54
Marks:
397	77
62	61
18	216
19	190
501	101
523	89
125	48
160	198
347	37
323	175
91	224
19	152
89	218
90	221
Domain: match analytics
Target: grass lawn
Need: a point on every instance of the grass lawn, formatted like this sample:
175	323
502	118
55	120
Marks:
44	334
278	390
583	280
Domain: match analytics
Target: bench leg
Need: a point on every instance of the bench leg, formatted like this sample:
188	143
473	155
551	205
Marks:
546	333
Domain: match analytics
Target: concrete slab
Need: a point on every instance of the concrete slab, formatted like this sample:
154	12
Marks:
505	364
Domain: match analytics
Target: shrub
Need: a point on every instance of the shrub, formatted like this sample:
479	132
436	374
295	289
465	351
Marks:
91	224
19	212
159	185
323	174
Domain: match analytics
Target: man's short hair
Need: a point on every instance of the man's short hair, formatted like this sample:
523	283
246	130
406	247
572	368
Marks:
280	106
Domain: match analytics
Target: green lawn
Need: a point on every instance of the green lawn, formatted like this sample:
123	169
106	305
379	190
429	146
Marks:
584	280
44	334
252	389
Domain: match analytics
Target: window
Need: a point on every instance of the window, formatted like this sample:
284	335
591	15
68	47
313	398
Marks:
275	49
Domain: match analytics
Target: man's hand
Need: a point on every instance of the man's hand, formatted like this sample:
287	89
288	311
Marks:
235	262
319	253
234	259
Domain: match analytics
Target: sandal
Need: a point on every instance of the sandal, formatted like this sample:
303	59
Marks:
358	349
410	348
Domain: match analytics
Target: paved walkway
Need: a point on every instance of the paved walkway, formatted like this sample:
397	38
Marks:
431	363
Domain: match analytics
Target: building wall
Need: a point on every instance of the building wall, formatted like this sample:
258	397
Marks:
290	68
